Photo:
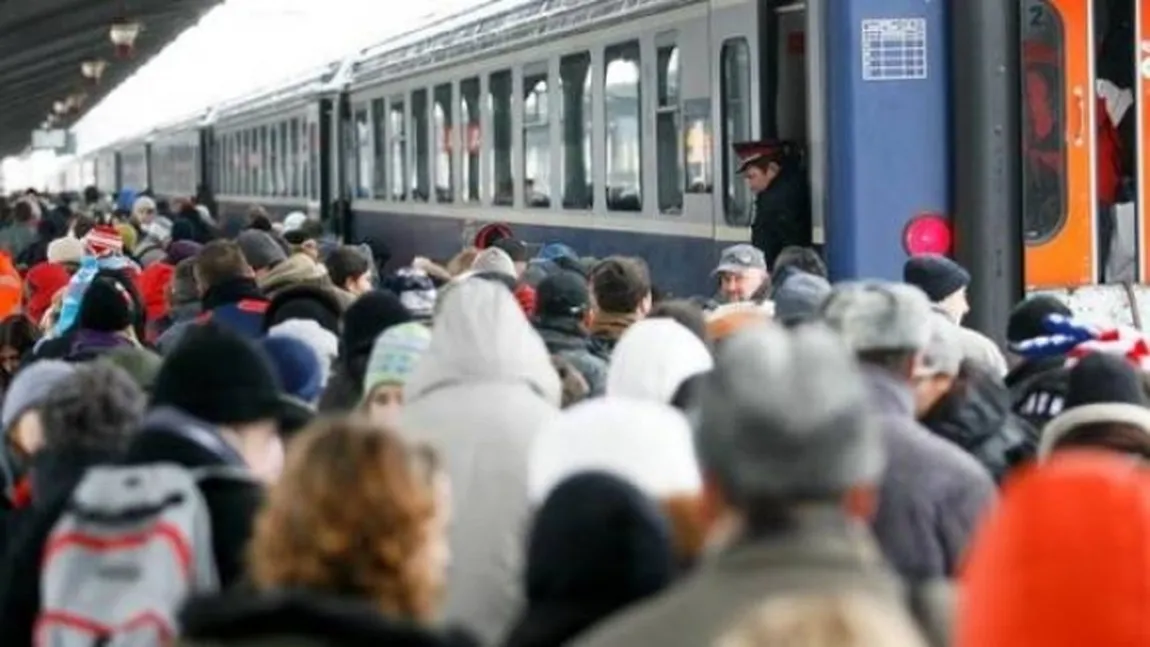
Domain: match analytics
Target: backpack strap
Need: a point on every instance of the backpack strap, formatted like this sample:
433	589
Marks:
932	604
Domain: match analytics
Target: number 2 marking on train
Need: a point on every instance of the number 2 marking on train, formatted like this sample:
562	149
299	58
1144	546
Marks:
1037	15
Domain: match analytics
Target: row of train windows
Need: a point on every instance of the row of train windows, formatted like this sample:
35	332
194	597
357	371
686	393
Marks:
274	160
381	165
174	168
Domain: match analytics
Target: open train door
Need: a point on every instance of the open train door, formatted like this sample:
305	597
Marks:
1058	138
1142	114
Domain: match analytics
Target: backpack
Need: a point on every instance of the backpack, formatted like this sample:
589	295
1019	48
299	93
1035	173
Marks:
132	544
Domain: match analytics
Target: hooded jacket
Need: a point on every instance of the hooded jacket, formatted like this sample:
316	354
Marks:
480	395
653	359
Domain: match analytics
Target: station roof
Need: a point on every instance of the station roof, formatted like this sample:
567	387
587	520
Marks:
43	44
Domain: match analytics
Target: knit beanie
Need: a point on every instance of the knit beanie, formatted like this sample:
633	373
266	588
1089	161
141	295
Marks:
260	250
106	307
66	249
494	260
297	366
128	235
103	240
1027	319
369	316
31	385
1102	388
395	355
936	275
183	249
305	302
220	377
323	342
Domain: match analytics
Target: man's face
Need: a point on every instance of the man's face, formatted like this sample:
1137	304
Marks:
741	285
759	178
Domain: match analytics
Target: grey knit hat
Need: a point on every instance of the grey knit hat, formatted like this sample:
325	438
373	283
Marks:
784	415
31	386
878	316
260	250
98	407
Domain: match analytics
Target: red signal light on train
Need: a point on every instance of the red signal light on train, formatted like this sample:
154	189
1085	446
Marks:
928	233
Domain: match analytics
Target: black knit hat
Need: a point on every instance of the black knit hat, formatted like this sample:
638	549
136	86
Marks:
305	302
1027	319
562	295
106	307
370	315
936	275
1102	388
219	377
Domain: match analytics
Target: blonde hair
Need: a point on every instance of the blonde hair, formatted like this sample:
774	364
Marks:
838	620
350	516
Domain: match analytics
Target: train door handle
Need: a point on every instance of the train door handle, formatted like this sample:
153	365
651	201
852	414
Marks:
1080	98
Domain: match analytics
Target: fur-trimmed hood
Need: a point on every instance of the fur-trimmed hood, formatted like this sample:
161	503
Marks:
299	618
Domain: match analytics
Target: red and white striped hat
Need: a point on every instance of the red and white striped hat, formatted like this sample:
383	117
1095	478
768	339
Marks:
103	240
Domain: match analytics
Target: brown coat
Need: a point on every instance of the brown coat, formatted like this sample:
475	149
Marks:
831	558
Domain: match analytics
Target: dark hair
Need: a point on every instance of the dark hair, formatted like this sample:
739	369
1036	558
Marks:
620	284
686	313
17	331
1116	437
800	258
139	313
220	261
25	212
82	225
261	222
346	263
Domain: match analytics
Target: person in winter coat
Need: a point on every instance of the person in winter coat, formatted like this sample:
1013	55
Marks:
363	322
562	310
182	301
1107	409
959	401
933	493
305	545
394	356
790	486
653	359
87	420
105	321
479	396
216	403
1060	561
597	546
945	283
1037	386
41	284
852	620
621	293
229	295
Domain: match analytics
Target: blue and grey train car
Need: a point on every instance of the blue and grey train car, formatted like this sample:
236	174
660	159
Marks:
589	122
275	149
181	159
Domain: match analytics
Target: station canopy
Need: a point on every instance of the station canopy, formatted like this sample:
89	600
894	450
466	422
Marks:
59	58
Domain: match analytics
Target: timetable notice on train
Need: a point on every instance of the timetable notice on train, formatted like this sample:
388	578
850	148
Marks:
894	49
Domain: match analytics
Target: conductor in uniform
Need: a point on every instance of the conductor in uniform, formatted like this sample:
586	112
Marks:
781	213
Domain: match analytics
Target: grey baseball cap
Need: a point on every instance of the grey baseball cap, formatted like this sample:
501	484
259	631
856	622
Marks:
741	257
878	315
784	414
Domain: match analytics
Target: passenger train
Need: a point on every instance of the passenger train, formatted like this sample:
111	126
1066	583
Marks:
609	124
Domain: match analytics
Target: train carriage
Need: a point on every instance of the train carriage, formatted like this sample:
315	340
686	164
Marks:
181	154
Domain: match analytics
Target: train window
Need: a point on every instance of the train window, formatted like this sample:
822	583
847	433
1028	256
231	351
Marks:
305	160
285	155
313	153
420	182
536	138
294	158
736	122
444	189
398	147
575	124
669	145
1043	122
273	158
263	183
501	184
469	111
363	159
622	99
697	138
245	154
379	152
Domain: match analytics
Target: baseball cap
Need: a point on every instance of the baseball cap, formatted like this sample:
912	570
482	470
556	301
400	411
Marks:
562	294
741	257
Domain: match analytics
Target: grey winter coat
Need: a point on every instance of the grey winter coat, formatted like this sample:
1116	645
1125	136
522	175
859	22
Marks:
932	495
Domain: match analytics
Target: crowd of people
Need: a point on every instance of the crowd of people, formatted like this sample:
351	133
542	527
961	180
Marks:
273	438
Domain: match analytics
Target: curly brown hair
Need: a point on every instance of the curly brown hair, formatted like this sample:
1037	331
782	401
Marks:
350	515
